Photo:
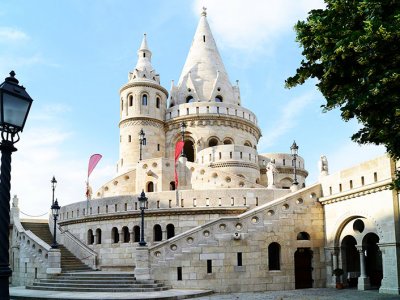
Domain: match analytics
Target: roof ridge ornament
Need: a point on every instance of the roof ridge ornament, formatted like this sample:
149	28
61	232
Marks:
204	12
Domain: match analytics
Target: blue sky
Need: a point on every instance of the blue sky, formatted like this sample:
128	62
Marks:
73	56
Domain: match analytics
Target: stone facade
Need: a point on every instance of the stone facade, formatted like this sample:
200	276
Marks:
237	221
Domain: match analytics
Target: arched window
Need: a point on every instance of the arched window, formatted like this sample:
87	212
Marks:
130	100
218	98
303	236
172	186
144	99
247	143
212	142
189	99
158	102
274	256
136	234
170	231
114	235
228	142
157	233
98	236
122	104
150	187
90	237
125	232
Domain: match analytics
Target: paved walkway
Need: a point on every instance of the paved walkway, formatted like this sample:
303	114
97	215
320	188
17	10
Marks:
306	294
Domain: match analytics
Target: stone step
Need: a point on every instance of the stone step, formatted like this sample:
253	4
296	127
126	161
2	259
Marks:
95	285
97	289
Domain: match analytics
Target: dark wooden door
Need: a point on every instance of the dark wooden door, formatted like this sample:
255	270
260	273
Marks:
303	268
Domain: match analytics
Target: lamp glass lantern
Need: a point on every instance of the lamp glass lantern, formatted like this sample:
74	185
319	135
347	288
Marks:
53	182
142	200
55	208
15	104
183	128
294	148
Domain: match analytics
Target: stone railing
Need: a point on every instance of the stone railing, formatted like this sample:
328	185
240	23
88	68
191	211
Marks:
30	254
237	227
79	249
226	153
210	108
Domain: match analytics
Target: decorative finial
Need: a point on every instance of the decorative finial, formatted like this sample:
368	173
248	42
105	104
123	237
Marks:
204	12
12	78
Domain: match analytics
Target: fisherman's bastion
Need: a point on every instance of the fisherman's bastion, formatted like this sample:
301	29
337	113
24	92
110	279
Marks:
236	220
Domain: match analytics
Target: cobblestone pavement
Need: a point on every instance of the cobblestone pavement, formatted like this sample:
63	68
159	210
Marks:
305	294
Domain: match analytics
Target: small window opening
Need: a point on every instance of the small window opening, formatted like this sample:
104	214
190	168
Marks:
239	259
375	177
144	54
144	99
158	147
362	180
130	100
340	187
204	38
179	273
157	102
209	266
284	162
351	184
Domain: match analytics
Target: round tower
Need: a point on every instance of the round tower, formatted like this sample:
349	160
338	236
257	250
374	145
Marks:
142	107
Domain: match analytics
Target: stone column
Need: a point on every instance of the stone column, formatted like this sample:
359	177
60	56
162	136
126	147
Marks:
363	280
121	237
335	262
391	268
94	239
142	259
54	261
132	235
164	235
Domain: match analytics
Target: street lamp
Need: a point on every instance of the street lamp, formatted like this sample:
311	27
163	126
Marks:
53	186
142	141
294	149
15	104
142	204
183	129
55	208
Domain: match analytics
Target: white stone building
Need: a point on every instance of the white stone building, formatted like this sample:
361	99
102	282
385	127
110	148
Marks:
237	221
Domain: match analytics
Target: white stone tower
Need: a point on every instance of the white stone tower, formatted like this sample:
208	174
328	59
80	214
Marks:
142	106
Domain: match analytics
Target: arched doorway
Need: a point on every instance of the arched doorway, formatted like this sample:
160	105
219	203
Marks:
303	268
188	149
157	233
150	187
373	259
350	259
170	231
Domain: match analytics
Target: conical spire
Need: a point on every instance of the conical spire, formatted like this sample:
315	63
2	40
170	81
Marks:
203	65
144	70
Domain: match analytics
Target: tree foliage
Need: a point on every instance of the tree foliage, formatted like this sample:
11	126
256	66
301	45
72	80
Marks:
353	48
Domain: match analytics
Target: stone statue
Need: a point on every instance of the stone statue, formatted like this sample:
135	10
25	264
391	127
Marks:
271	174
323	166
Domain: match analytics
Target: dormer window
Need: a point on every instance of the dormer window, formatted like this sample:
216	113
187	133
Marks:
189	99
218	98
144	99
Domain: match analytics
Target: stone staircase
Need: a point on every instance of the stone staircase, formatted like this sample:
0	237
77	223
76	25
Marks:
69	263
97	282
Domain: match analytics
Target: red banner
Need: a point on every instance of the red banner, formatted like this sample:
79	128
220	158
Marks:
178	149
94	159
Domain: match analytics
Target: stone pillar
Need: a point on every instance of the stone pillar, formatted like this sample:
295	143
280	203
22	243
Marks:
95	239
363	280
54	262
121	237
142	268
391	269
132	235
335	262
164	235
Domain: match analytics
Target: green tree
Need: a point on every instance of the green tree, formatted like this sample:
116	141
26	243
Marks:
353	48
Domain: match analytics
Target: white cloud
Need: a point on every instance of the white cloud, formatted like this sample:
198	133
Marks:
45	151
254	24
290	112
8	34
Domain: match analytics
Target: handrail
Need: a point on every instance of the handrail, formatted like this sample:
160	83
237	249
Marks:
79	249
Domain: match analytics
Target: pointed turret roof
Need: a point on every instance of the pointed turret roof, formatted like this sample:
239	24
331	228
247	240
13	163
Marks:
144	70
203	65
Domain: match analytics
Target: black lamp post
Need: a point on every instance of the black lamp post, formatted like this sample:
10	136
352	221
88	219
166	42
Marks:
15	104
53	187
55	208
142	141
294	149
142	204
183	129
